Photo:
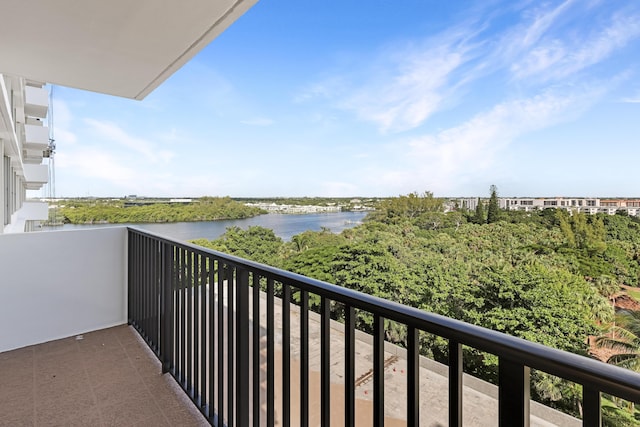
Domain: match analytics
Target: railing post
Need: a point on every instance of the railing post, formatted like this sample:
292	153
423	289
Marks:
255	347
242	347
166	319
413	376
455	384
378	371
514	394
271	353
349	366
592	414
325	360
130	293
304	358
286	355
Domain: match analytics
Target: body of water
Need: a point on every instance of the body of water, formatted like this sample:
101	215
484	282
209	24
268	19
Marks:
284	226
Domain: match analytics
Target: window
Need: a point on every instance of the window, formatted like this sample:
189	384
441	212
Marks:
6	180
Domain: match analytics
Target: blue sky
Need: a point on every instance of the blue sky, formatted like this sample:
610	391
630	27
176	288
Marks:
345	98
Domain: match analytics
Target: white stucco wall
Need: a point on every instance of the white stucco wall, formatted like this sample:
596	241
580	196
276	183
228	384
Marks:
59	284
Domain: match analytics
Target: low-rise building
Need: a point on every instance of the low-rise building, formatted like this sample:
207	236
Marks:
588	205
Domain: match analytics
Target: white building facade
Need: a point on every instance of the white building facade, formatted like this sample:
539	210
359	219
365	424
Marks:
588	205
24	142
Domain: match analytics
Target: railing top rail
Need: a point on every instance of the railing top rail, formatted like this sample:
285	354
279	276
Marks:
610	379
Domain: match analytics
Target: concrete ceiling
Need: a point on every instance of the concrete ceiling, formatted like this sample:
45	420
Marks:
119	47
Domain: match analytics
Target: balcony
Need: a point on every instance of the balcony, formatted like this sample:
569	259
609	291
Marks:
241	341
31	213
36	102
35	176
36	137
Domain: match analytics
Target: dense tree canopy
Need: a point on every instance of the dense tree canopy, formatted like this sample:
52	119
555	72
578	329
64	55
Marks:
115	212
544	276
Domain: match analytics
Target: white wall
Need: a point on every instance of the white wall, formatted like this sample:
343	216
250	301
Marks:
59	284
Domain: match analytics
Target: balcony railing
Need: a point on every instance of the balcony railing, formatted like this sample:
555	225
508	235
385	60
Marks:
195	308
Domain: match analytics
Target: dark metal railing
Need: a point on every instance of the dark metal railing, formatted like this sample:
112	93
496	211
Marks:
192	306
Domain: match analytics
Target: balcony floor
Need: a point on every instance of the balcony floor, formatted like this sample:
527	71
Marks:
104	378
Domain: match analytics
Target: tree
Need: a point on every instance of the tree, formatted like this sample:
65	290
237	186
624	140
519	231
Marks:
565	226
493	213
255	243
624	340
479	218
407	207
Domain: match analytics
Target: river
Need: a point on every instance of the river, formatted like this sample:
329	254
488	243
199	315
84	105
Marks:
284	226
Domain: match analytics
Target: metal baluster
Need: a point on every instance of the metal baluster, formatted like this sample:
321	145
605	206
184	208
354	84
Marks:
455	384
349	366
513	394
325	367
304	358
242	343
378	371
413	376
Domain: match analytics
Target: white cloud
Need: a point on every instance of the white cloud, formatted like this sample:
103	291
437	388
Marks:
557	56
406	83
404	86
540	24
466	152
412	94
112	133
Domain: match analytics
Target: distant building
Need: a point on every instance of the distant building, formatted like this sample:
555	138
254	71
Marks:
295	209
588	205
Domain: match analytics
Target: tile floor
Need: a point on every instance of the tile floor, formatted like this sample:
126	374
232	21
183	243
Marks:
104	378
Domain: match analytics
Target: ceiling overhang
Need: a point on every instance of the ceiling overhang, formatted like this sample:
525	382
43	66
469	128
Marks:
120	47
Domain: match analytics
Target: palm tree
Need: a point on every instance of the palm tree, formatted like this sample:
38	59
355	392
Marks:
624	340
555	389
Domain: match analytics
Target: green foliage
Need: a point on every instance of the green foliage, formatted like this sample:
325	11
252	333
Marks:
255	243
614	415
493	212
479	217
543	276
407	207
115	212
624	339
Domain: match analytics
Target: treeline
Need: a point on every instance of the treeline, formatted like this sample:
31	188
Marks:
544	276
114	211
